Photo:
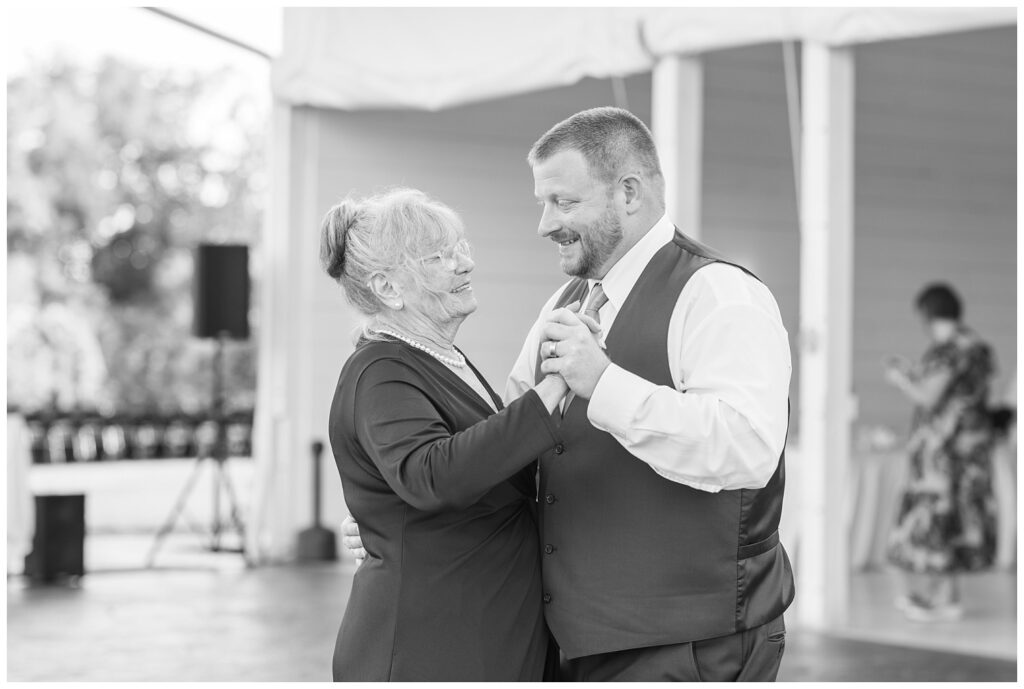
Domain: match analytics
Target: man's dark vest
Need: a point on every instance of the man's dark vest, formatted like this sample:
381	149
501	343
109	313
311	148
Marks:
633	559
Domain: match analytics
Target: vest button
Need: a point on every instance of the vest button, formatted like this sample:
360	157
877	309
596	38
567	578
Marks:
549	499
547	598
549	549
559	448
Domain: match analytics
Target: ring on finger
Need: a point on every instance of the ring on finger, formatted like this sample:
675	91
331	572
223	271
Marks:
553	350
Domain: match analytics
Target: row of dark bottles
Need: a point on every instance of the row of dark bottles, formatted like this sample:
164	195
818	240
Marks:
61	439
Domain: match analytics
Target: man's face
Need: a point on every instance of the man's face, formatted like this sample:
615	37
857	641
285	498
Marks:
578	212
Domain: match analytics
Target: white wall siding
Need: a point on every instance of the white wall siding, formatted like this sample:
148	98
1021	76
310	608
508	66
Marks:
935	198
750	202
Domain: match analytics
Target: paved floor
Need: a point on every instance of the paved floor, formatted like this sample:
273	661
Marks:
988	628
225	622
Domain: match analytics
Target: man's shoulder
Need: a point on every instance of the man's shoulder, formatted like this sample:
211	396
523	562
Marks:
725	274
728	284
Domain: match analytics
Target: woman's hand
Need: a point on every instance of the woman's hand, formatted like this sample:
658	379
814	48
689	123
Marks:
351	540
551	390
572	350
922	390
897	371
895	376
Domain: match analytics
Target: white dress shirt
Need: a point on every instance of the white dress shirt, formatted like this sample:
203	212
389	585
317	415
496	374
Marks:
723	424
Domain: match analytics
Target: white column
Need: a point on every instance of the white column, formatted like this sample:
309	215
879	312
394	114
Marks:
264	535
305	405
280	501
826	308
677	111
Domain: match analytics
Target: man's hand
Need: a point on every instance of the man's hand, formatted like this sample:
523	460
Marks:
350	539
594	326
570	348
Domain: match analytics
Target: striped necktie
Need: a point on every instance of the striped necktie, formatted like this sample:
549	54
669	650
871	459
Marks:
597	299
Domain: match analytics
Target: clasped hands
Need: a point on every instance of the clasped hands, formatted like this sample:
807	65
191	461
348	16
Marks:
570	348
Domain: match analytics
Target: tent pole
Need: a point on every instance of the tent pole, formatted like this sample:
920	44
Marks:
677	111
792	72
209	32
264	537
827	406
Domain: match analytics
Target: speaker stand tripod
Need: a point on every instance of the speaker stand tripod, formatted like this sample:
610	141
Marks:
221	480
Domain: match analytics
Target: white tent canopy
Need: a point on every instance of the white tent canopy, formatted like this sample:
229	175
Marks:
422	58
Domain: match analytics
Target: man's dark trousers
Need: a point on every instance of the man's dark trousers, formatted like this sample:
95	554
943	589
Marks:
749	656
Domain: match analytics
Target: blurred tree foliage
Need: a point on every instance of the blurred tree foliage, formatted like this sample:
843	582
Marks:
115	173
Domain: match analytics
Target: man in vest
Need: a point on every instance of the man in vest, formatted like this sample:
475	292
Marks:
660	509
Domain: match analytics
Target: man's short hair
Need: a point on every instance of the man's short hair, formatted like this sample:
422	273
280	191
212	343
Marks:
608	138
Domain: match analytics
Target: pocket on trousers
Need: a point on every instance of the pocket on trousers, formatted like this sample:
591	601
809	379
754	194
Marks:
693	662
766	656
720	659
777	637
776	631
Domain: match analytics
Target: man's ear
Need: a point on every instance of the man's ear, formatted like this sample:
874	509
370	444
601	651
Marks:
633	192
387	291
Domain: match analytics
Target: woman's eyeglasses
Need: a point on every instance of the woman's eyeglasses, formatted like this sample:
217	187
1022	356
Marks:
449	257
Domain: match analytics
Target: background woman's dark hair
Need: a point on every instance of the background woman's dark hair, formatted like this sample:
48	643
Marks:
938	300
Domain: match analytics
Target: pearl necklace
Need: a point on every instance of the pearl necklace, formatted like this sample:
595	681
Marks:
458	362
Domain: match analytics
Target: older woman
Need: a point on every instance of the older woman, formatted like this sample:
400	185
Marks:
947	518
439	476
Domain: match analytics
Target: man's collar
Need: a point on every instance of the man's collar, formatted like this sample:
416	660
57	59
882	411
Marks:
622	276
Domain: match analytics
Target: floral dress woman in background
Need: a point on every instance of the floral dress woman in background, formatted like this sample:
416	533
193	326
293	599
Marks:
947	515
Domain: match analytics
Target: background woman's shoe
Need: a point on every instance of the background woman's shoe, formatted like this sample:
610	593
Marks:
908	601
939	613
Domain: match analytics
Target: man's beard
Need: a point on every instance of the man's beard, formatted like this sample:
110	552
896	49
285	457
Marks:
596	246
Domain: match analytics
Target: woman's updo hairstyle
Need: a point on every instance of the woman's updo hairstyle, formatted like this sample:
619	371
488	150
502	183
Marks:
362	237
